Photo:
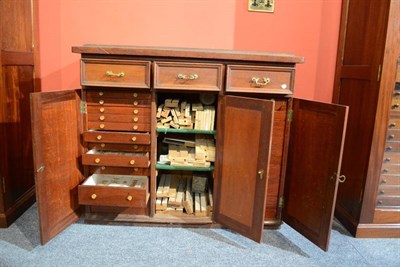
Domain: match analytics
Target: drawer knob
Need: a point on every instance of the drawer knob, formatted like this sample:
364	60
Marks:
99	137
385	170
101	110
101	118
391	136
256	81
97	160
103	168
135	95
135	103
380	202
93	196
110	73
284	86
101	93
387	160
392	125
101	102
129	198
132	162
136	169
102	126
397	93
103	145
388	148
382	192
136	119
135	127
135	147
383	181
397	105
134	138
135	111
181	76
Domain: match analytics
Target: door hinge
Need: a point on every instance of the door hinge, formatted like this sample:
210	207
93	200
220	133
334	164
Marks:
290	115
281	202
83	106
3	180
379	73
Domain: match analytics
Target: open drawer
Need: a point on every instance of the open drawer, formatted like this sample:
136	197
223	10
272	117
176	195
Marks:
114	190
116	158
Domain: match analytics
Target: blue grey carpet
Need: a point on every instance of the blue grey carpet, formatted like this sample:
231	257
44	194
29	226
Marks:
98	245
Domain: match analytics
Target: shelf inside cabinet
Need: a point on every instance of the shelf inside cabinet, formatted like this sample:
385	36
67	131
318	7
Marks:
183	168
185	131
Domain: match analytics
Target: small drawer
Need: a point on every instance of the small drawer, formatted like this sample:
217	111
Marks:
392	146
387	201
119	170
389	190
394	123
390	179
120	94
390	169
119	126
138	111
117	137
115	73
395	105
391	158
100	117
393	135
116	159
119	147
119	101
259	79
188	76
114	190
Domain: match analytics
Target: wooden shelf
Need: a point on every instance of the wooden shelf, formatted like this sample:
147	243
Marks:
184	131
183	168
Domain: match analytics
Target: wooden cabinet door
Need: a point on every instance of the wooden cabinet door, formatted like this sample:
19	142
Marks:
241	169
313	168
56	121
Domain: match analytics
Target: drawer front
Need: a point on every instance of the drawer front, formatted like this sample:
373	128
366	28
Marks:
394	123
109	109
188	76
112	196
117	138
259	79
119	101
388	201
121	94
100	117
390	169
390	180
389	190
115	73
391	158
392	146
118	147
119	126
117	159
122	171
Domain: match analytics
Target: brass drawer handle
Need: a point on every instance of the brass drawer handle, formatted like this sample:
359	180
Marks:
101	93
135	127
112	74
135	103
101	110
135	119
102	118
99	137
133	139
181	76
102	126
397	105
386	160
135	95
97	160
136	111
392	125
132	162
93	196
129	198
256	81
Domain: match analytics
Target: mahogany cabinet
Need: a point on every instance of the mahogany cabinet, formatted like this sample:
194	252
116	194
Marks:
275	156
368	202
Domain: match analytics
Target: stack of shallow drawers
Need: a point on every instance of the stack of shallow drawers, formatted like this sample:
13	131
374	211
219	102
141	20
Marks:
389	189
117	136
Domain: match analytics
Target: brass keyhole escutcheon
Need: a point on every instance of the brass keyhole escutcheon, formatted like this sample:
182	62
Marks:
93	196
261	174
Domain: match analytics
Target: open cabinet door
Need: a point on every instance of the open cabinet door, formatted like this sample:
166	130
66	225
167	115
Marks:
313	168
241	169
56	128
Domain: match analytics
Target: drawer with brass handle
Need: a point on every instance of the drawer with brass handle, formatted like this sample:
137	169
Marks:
126	110
391	158
392	146
100	117
388	179
116	158
119	126
117	137
114	190
119	102
115	73
188	76
389	190
109	93
390	169
259	79
388	201
119	170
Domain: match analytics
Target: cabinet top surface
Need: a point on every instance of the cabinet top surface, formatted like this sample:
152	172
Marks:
175	52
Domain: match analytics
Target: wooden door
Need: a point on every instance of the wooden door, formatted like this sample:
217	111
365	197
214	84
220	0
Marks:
17	71
357	85
57	150
241	174
313	168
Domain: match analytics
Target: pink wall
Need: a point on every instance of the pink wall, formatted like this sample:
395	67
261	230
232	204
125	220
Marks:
306	28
